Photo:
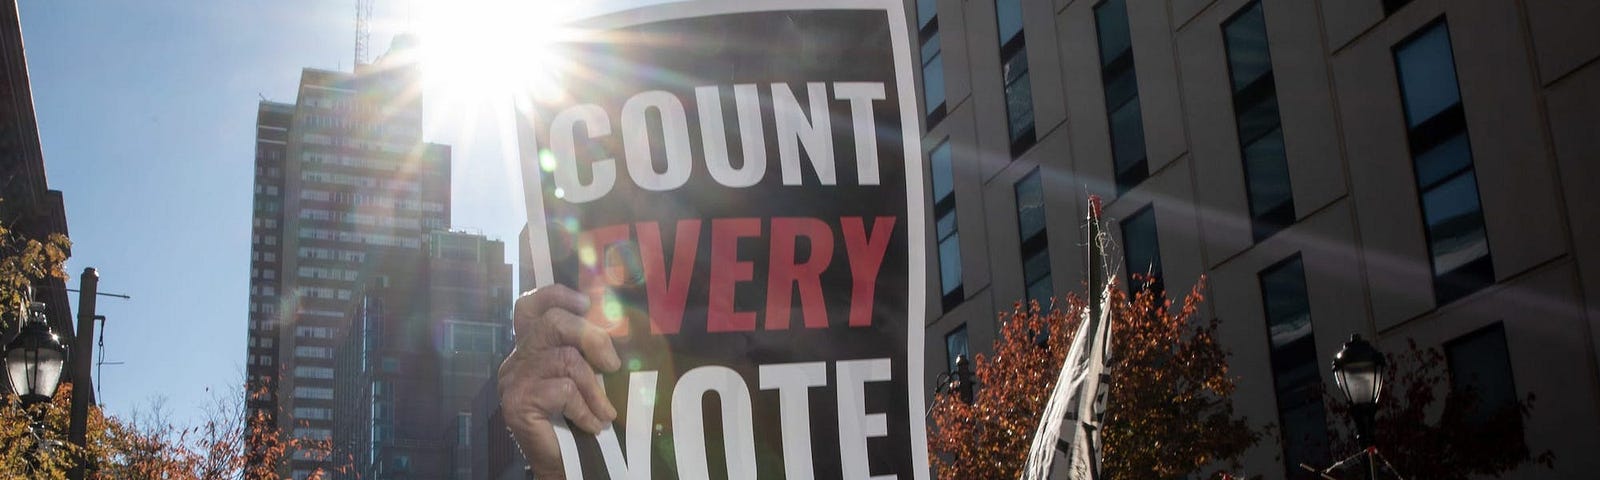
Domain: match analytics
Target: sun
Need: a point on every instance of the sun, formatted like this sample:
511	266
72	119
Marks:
479	52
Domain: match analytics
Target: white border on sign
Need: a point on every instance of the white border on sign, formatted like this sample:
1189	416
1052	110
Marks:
911	127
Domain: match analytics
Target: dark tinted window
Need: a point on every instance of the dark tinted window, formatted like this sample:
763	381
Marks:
944	214
1015	75
955	344
933	98
1480	366
1008	15
1441	153
1035	248
1122	94
1255	105
1295	366
1141	250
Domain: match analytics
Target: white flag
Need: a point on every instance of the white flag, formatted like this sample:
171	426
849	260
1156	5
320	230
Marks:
1079	385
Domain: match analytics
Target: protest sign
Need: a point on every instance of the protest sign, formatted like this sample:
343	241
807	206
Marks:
737	186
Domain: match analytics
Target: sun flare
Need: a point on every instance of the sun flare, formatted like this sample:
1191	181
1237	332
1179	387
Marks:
490	51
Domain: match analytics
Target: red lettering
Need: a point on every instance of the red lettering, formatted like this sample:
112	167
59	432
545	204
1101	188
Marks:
727	271
667	290
866	258
787	271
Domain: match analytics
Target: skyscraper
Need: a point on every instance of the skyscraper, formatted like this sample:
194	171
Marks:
345	192
420	346
469	308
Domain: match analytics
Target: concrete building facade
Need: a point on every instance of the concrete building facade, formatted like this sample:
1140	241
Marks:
31	210
469	308
424	339
345	189
1403	170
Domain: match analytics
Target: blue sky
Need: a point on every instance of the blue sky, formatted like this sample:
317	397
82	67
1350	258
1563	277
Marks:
146	113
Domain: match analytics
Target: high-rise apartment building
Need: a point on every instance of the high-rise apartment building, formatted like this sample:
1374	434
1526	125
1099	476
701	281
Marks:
345	192
469	307
1403	170
387	421
422	342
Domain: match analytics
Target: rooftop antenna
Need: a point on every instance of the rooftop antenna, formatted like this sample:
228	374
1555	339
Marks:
363	29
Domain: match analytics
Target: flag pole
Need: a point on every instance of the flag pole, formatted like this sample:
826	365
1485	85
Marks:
1097	292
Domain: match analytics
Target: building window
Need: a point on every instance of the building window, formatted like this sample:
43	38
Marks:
311	413
1441	157
1255	108
1035	246
955	345
1391	6
313	332
1014	74
316	434
312	352
1122	94
1480	367
472	338
932	61
313	372
1295	366
1141	250
944	214
316	393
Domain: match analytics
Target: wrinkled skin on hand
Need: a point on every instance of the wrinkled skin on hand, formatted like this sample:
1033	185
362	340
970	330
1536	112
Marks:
551	373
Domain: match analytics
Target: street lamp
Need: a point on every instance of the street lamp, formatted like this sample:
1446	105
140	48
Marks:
963	381
1358	370
35	358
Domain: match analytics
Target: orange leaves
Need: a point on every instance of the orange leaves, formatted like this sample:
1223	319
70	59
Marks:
990	438
1169	414
216	449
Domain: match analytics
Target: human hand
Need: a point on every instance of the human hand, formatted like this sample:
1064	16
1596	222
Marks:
551	372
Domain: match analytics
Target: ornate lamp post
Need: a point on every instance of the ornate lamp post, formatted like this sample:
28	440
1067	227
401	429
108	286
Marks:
34	359
1358	369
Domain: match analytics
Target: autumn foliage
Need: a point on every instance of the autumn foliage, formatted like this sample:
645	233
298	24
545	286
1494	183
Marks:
33	444
1169	414
33	440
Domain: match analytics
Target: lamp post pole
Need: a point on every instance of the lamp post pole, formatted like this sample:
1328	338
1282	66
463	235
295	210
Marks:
82	344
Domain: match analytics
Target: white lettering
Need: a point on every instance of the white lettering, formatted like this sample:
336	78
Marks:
674	137
751	135
562	145
794	131
641	416
738	429
860	95
855	424
803	133
792	381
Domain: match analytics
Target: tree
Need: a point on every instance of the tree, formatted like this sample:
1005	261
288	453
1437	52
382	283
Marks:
33	441
27	261
1170	414
1448	436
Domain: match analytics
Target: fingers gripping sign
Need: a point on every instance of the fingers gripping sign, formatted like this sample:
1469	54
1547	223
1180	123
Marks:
551	374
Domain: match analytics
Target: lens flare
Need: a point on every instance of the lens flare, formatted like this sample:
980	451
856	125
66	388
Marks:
622	265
